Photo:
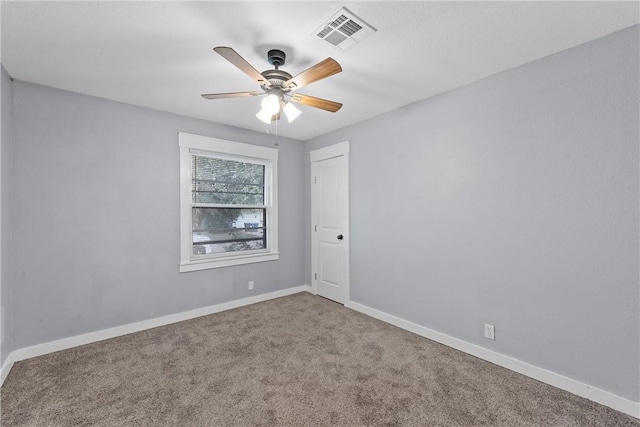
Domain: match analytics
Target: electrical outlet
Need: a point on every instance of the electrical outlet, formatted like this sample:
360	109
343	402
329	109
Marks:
250	285
489	331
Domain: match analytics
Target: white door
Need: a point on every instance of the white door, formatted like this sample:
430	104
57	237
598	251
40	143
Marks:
330	218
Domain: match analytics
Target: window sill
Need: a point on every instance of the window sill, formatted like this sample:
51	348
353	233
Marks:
208	263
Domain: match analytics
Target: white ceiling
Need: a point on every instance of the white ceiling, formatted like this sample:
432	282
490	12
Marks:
159	54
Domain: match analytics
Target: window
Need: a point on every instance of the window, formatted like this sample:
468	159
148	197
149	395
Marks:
228	203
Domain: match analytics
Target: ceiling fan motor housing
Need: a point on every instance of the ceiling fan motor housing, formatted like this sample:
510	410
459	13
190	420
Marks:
276	78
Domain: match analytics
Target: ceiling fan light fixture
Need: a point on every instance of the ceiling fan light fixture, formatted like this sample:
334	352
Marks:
271	104
264	116
291	111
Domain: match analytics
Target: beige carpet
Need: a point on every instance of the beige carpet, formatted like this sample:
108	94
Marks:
294	361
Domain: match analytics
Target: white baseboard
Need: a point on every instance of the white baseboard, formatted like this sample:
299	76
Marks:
6	367
65	343
576	387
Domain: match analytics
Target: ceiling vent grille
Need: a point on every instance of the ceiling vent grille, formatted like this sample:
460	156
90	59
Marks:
344	29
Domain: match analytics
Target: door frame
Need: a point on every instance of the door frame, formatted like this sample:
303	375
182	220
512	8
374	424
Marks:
341	149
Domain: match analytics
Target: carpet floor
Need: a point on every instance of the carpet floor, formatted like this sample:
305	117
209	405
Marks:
300	360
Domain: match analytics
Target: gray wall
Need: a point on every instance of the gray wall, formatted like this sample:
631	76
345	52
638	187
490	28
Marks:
6	90
511	201
95	206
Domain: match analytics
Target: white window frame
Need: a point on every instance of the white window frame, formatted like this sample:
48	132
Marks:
220	148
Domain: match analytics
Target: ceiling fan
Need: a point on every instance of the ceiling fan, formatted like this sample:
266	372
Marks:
278	84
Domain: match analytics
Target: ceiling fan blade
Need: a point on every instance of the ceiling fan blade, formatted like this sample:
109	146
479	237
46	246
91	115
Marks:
320	71
312	101
237	60
230	95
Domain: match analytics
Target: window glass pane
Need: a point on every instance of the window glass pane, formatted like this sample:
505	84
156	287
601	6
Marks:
219	230
226	181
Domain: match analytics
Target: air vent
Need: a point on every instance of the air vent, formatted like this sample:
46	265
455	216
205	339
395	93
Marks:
344	29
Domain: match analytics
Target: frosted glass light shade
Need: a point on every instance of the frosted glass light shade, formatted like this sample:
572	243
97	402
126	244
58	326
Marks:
291	112
264	116
271	104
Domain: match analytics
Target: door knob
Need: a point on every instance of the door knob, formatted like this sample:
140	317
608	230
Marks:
340	237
